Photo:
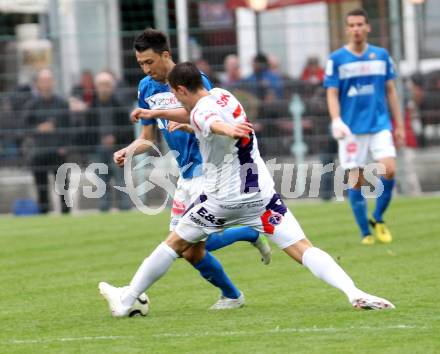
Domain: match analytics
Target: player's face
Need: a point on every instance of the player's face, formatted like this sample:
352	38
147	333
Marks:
181	94
357	29
154	64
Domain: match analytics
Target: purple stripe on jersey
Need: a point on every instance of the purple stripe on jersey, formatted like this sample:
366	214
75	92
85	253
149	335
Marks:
200	199
276	204
248	169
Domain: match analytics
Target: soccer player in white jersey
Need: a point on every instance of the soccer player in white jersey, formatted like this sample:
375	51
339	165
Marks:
154	96
360	85
237	189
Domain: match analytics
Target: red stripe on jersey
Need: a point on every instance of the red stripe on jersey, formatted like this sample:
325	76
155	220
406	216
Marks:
237	112
178	208
244	141
195	123
268	228
210	115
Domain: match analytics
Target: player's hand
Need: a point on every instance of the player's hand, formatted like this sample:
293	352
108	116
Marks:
173	126
339	129
119	157
399	136
241	130
139	113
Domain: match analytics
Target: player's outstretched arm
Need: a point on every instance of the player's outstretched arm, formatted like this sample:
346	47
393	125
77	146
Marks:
137	147
173	126
179	115
240	130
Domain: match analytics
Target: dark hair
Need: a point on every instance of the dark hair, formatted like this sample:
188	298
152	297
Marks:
186	74
152	39
358	12
261	58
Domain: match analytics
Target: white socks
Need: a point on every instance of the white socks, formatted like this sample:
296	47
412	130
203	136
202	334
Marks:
151	269
323	266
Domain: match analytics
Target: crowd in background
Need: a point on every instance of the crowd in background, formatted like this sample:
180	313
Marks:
41	130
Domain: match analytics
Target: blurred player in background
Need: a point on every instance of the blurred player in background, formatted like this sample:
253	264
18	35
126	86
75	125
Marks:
360	86
154	57
247	196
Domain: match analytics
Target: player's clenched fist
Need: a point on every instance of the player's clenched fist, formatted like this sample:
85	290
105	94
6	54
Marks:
119	157
139	113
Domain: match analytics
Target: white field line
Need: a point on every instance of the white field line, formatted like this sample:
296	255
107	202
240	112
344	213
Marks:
217	334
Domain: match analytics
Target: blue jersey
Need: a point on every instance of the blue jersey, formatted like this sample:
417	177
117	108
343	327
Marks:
361	81
155	95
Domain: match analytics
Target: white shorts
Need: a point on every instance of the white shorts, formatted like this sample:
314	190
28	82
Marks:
354	149
267	215
187	190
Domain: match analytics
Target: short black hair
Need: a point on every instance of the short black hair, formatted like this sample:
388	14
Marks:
358	12
186	74
261	58
152	39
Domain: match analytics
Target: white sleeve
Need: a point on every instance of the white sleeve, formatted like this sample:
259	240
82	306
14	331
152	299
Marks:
201	121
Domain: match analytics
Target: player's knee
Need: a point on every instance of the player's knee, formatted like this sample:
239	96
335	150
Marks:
178	244
194	254
390	172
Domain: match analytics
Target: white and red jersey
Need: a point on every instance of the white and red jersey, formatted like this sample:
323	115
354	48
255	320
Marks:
233	168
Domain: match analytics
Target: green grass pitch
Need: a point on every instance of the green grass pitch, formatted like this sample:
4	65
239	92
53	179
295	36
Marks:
50	268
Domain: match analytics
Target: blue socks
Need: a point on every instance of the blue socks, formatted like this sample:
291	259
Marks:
359	207
384	199
216	240
211	269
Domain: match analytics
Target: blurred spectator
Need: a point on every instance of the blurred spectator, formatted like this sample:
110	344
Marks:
263	82
11	122
231	66
430	109
313	72
47	118
85	90
108	130
123	92
267	87
205	67
81	97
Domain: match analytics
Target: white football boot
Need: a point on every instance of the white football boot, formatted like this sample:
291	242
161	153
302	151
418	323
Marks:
118	309
262	244
225	303
366	301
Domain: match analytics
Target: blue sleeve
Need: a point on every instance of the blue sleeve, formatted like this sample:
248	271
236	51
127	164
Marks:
206	83
391	72
142	89
331	78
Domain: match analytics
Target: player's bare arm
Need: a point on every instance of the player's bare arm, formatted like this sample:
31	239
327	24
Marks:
136	147
179	115
173	126
394	103
334	107
339	128
240	130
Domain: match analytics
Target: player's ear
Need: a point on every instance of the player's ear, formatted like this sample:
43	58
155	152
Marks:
368	28
166	54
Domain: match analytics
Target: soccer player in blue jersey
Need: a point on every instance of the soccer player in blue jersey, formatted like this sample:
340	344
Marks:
360	86
153	55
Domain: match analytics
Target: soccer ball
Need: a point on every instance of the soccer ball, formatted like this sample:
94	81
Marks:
141	306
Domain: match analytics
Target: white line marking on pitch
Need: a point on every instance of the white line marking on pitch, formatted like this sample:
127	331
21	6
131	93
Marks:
217	334
284	330
65	339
